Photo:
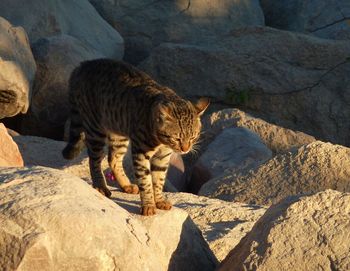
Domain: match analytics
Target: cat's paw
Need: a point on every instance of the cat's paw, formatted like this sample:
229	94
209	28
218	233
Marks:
163	205
131	189
104	191
148	210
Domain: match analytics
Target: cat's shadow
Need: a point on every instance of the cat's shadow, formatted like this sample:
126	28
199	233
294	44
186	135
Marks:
132	204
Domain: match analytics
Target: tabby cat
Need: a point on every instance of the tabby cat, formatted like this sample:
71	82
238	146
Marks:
114	102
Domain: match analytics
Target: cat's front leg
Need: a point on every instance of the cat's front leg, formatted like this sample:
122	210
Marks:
142	167
159	167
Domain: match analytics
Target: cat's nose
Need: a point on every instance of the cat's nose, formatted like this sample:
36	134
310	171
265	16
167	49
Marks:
185	146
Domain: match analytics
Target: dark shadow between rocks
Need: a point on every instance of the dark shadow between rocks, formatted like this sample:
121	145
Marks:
189	255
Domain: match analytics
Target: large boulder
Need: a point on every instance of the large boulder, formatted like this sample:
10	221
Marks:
9	152
56	57
293	80
322	18
75	18
146	24
55	221
311	168
223	224
299	233
40	151
233	150
275	137
17	70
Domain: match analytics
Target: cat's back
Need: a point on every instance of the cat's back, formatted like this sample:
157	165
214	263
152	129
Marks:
105	74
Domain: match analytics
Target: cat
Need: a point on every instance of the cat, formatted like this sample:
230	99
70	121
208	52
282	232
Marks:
114	102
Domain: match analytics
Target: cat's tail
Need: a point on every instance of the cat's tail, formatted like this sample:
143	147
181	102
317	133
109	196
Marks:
76	136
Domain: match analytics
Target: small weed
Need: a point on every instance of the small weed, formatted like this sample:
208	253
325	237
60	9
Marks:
236	96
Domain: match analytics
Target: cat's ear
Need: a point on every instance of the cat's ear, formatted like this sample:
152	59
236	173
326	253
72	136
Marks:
201	105
164	111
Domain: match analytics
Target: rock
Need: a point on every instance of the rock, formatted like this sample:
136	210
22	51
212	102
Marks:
311	168
223	224
293	80
75	18
56	57
17	70
176	173
47	215
9	153
276	138
299	233
233	150
326	18
146	24
40	151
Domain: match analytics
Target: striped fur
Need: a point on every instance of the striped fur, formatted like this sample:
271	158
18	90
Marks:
116	103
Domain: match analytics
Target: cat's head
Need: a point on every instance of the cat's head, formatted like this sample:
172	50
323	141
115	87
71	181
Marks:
178	123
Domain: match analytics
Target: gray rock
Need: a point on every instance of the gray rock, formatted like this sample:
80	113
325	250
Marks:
323	18
233	150
17	70
293	80
276	138
146	24
9	152
55	221
40	151
56	57
75	18
299	233
222	223
311	168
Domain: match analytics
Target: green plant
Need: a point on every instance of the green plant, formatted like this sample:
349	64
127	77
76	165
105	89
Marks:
236	96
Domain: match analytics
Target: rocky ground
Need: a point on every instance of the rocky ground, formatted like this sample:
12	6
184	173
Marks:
269	187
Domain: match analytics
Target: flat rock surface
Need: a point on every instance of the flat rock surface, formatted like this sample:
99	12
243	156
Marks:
299	233
46	216
311	168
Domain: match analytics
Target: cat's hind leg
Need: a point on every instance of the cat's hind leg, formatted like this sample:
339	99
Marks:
95	144
118	146
76	136
159	167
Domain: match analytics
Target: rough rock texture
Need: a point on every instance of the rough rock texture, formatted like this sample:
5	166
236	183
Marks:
39	151
75	18
277	138
294	80
223	224
233	150
56	57
306	233
311	168
146	24
17	70
322	18
47	215
9	152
